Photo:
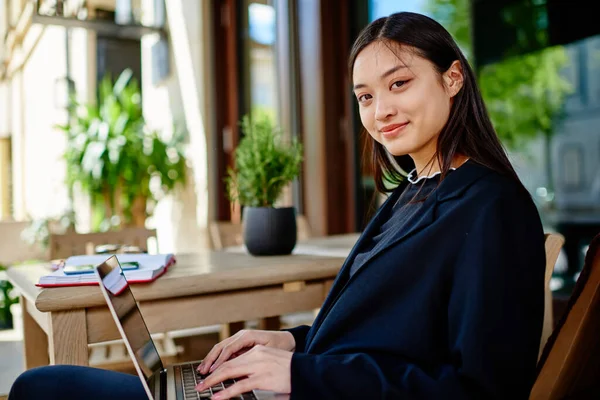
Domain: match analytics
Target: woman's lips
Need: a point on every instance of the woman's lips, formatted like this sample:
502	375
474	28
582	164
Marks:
392	131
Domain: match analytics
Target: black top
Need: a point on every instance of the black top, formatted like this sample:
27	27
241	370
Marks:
406	207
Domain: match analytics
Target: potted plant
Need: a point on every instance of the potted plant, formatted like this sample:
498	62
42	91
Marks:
6	300
114	157
264	164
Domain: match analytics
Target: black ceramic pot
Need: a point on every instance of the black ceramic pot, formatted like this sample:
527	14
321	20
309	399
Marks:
269	231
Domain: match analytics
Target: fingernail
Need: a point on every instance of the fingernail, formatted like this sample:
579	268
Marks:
217	396
200	386
213	368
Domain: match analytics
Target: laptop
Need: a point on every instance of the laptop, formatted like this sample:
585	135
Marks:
175	382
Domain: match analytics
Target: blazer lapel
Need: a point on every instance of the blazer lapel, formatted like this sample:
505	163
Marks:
342	284
373	225
340	281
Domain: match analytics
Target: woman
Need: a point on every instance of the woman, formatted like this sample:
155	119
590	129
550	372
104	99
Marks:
442	296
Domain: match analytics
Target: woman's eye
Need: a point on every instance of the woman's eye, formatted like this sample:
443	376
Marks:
397	84
364	97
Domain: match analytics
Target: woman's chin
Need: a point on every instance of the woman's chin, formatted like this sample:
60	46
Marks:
396	150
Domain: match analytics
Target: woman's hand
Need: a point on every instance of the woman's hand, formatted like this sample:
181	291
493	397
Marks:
263	368
243	341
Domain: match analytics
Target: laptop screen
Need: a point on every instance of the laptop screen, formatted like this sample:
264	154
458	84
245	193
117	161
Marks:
130	317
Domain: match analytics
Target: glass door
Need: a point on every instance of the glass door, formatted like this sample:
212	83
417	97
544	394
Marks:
259	53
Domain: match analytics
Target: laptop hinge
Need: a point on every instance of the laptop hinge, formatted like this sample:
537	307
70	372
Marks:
163	384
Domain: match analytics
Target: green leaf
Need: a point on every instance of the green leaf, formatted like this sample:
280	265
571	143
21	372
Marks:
264	162
122	81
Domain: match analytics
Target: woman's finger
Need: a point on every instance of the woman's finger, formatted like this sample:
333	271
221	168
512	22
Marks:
214	353
241	386
228	351
230	370
209	359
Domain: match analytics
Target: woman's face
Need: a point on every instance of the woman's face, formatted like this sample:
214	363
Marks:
404	102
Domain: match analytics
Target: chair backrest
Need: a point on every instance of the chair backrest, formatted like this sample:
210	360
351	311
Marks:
570	364
304	231
228	234
554	243
13	249
225	234
66	245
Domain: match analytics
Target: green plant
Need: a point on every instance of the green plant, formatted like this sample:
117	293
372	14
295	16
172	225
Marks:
113	155
6	300
264	163
455	16
525	94
526	91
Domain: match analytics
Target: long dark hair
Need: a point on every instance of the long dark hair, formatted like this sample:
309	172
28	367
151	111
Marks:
468	130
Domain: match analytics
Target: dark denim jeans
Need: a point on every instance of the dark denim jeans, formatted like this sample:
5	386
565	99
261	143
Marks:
68	382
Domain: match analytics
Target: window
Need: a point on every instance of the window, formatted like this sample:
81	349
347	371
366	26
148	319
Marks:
383	8
261	87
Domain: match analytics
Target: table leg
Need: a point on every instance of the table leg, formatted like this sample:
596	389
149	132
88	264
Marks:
230	329
68	338
270	323
35	340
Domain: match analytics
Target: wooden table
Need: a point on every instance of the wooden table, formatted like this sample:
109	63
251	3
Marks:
333	246
201	289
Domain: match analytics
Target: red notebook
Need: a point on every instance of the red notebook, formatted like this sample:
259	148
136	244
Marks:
151	266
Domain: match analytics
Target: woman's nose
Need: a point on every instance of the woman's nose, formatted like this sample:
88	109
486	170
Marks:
384	110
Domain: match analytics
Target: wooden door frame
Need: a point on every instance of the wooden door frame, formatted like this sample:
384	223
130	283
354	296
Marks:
339	138
227	104
324	29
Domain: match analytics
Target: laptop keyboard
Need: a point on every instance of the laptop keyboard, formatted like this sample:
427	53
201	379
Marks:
190	378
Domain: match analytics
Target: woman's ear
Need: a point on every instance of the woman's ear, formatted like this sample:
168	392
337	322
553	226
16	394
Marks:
454	78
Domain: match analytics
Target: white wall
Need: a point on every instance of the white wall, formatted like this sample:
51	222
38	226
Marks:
181	219
39	190
83	73
44	192
16	128
4	109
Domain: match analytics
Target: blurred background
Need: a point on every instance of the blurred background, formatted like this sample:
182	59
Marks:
124	113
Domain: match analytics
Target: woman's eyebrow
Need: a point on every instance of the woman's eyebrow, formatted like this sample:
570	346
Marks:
383	76
391	71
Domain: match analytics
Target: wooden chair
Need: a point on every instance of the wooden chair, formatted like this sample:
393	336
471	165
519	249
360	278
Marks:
13	249
304	231
553	244
228	234
569	367
225	234
69	244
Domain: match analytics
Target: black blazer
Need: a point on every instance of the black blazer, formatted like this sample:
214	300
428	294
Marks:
449	308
